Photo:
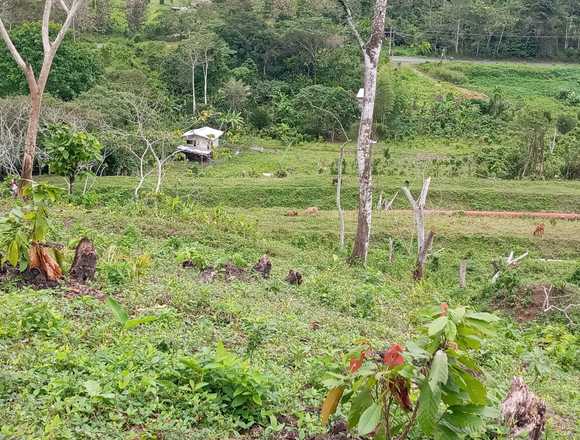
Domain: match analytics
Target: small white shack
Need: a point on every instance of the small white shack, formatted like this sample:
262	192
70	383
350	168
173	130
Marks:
200	143
360	97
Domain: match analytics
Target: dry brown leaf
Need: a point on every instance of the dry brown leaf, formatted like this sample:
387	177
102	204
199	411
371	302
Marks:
330	404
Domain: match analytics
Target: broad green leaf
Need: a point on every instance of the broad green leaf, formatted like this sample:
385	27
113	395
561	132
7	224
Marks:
451	331
13	253
439	370
476	390
457	314
416	351
437	326
428	408
445	433
132	323
482	327
481	316
463	422
330	404
369	419
361	401
118	310
93	388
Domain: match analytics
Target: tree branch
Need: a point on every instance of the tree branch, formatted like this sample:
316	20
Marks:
45	27
67	24
64	6
12	49
351	24
424	191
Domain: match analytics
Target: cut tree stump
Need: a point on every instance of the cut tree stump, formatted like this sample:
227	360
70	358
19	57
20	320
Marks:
84	264
294	278
523	412
264	266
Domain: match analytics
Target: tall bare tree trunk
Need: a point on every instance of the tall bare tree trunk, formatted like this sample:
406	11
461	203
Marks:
30	141
194	105
205	72
457	36
371	51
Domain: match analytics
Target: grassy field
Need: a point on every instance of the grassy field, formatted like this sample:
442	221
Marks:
520	83
71	370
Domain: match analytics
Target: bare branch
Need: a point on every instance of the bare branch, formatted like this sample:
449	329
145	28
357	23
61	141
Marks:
13	51
45	27
548	307
351	24
67	24
424	191
64	6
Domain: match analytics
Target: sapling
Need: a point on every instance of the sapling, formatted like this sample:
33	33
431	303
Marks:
433	386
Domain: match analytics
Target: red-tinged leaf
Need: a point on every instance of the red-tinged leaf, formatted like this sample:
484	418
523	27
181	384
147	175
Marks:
355	363
444	309
330	404
393	356
400	389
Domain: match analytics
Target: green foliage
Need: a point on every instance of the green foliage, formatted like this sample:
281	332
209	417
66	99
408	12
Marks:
239	389
26	224
320	111
441	72
424	48
123	318
569	96
75	69
508	287
70	152
452	400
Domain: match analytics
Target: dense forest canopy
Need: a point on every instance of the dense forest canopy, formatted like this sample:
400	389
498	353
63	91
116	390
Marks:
260	67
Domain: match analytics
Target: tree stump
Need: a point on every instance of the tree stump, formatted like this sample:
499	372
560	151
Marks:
523	412
264	266
84	264
294	278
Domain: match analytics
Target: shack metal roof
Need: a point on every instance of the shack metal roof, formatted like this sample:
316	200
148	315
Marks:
192	150
205	132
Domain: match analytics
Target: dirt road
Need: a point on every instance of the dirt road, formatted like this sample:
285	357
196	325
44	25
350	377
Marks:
504	214
420	60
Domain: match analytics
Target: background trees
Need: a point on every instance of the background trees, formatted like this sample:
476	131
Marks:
76	66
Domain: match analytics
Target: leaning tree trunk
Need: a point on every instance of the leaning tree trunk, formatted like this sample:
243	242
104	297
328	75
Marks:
371	52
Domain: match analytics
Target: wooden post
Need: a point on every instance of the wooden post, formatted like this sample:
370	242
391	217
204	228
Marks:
462	274
338	198
391	250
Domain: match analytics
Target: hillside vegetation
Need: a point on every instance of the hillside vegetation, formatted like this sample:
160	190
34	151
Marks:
184	332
